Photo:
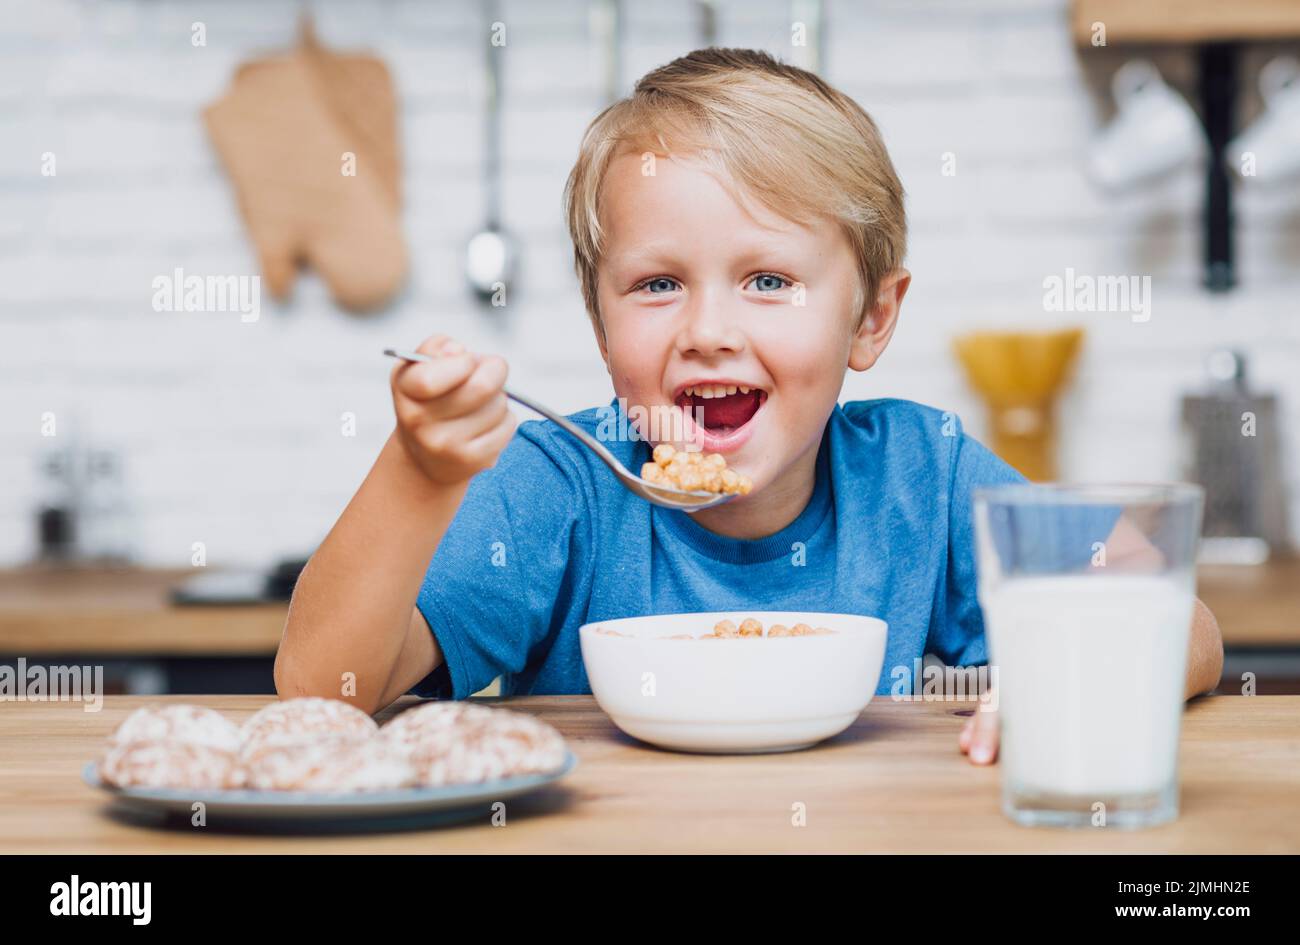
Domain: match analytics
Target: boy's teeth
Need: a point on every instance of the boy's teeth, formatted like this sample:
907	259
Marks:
710	391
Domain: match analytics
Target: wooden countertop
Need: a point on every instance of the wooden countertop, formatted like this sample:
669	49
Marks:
894	782
1256	605
127	613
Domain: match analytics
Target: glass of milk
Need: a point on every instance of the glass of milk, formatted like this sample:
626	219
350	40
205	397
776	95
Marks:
1087	593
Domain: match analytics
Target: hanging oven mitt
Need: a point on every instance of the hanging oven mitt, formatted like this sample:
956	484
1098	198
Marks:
284	131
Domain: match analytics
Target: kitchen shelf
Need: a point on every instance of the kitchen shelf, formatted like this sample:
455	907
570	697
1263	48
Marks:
1185	21
1216	30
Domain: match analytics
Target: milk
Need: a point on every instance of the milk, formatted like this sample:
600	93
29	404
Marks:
1090	679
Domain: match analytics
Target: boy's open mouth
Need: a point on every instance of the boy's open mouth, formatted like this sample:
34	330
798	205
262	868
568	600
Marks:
725	408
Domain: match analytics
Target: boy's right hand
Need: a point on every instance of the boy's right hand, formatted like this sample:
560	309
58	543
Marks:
452	416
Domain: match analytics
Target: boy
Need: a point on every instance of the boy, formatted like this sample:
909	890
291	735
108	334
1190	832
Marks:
739	235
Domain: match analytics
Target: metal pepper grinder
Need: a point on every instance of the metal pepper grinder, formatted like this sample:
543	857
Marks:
1232	448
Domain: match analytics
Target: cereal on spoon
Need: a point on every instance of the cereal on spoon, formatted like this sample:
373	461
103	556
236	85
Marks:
693	471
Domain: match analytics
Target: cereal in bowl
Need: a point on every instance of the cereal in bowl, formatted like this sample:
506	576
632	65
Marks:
693	471
749	627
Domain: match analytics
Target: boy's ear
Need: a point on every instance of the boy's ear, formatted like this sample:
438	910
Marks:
878	326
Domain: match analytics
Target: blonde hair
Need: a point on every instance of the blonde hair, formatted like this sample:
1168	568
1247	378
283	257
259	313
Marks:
779	132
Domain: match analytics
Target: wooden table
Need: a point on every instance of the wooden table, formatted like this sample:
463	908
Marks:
894	782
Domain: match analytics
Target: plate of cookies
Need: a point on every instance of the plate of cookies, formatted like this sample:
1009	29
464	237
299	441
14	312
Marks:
312	759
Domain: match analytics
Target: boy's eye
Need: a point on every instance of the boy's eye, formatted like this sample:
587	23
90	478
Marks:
769	282
659	285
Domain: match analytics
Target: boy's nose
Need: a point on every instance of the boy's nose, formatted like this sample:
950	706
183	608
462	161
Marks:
708	327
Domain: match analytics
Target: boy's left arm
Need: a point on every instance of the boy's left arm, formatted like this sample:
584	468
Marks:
1204	652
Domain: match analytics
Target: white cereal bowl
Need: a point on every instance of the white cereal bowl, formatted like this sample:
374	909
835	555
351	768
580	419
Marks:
752	694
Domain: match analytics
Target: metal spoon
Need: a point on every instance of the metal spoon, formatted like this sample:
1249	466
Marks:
653	493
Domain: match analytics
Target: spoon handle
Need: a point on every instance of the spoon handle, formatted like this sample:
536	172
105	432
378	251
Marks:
587	439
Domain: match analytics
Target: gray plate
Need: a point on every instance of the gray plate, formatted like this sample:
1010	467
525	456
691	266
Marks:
403	808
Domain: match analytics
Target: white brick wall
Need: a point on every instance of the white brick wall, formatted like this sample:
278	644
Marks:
231	432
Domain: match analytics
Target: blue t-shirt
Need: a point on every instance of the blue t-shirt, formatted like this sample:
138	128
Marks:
547	540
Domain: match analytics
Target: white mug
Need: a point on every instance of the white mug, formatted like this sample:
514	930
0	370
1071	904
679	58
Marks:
1269	150
1154	132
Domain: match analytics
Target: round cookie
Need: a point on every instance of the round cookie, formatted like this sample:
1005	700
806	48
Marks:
431	723
470	744
170	763
509	745
184	723
307	718
335	763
